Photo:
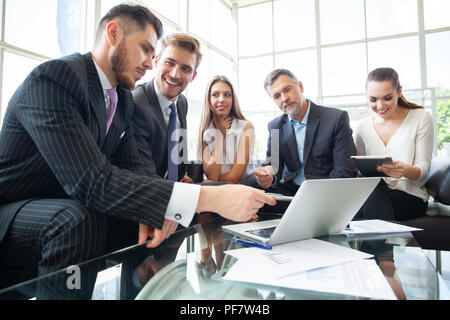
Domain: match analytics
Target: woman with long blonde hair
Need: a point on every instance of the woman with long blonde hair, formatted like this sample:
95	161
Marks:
226	137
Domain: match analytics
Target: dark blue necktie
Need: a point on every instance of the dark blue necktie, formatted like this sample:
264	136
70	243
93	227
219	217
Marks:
172	152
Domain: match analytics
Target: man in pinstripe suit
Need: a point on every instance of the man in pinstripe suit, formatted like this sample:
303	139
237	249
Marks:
71	185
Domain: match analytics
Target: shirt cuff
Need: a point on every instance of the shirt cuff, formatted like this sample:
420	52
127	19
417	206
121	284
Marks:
182	203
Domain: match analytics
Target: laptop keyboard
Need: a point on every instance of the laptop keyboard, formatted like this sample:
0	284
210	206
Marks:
263	233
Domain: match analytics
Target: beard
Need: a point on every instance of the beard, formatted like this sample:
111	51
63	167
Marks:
292	112
296	110
118	62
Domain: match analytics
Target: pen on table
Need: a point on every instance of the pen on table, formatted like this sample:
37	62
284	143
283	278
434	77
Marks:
258	245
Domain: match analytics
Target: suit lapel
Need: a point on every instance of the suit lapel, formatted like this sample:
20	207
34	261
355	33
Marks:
96	98
118	124
107	142
313	122
181	111
289	136
152	99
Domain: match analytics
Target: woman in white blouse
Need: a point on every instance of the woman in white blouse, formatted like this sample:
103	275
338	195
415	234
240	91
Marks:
404	131
226	138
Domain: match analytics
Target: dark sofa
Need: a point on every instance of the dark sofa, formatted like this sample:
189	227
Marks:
436	224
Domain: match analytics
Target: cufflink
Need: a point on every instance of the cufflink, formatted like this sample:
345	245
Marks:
178	216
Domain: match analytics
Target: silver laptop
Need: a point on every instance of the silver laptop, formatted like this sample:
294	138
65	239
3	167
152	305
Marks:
320	207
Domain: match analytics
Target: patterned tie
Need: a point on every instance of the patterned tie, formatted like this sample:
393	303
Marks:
112	94
172	167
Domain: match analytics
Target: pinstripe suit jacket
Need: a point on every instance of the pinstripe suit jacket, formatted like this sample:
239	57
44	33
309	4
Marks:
151	129
53	145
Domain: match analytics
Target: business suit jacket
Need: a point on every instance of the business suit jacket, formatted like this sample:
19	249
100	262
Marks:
327	150
53	144
151	129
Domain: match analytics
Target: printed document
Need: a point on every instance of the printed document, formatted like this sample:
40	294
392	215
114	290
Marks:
362	278
287	259
312	265
376	226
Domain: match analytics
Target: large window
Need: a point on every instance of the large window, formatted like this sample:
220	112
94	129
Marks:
255	29
330	45
387	17
343	69
438	62
199	18
294	24
402	54
34	31
223	28
48	27
15	69
304	65
436	14
341	20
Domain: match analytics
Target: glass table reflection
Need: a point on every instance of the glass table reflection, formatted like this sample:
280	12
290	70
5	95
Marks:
190	265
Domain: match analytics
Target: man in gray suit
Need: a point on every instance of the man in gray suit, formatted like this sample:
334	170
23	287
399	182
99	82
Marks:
70	172
176	66
309	141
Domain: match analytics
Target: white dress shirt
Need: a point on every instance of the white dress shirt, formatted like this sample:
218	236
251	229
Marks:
300	135
184	199
106	85
165	103
412	144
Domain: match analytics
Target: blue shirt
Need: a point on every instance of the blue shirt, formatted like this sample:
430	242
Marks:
300	132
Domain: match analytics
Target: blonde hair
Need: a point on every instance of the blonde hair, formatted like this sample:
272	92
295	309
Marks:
185	41
207	114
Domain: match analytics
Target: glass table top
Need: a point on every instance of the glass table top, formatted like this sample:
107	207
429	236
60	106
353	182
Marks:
191	265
